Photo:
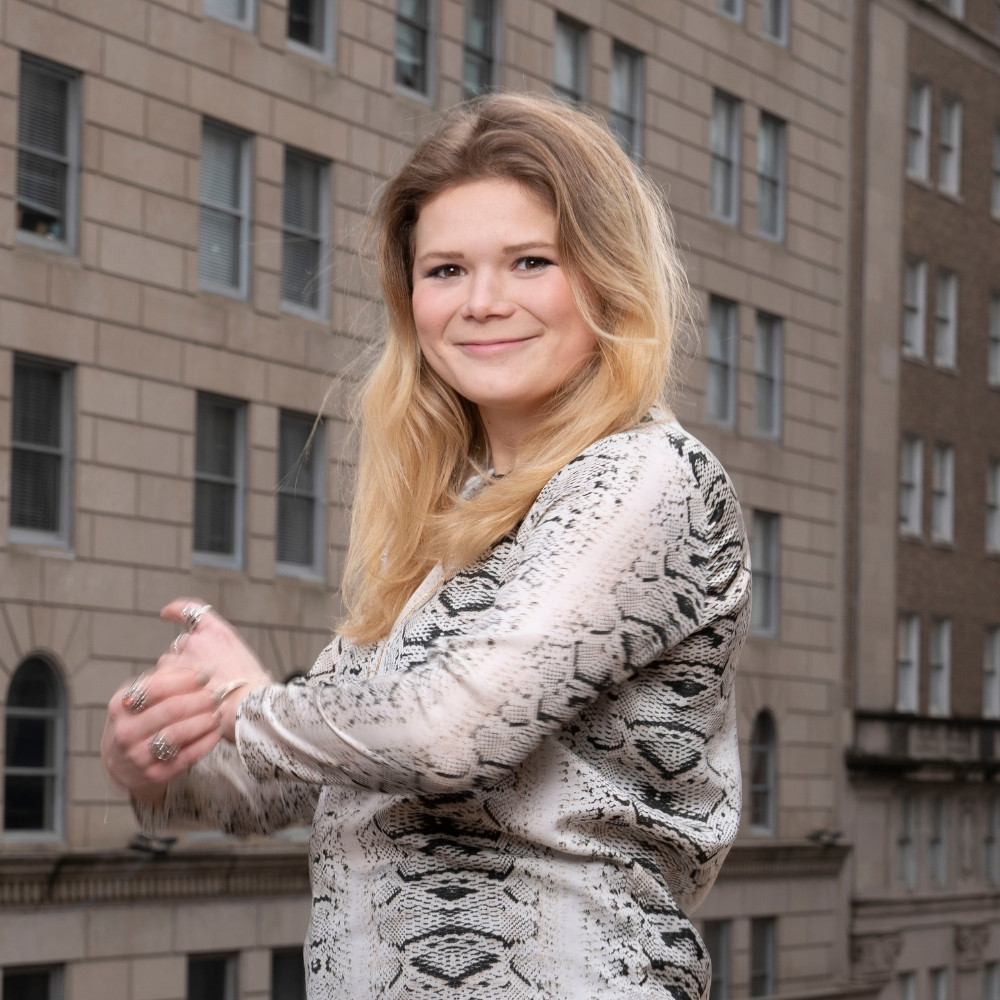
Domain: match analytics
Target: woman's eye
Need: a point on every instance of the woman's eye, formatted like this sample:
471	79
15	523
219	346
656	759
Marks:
533	263
445	271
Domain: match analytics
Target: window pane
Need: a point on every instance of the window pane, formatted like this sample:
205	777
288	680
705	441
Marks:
29	984
219	247
37	404
35	500
27	802
215	451
215	524
306	22
288	976
300	271
211	977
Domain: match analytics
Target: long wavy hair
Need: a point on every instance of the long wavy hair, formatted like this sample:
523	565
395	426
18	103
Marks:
420	440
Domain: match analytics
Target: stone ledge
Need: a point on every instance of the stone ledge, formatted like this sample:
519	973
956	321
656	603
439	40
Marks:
32	879
784	859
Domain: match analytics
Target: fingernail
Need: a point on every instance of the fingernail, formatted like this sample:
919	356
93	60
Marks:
203	677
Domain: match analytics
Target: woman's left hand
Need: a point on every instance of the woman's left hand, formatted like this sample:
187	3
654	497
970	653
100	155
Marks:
210	646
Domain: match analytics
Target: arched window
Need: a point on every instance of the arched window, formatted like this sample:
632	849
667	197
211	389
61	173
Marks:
35	749
763	774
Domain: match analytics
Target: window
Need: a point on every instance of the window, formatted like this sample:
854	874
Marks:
906	843
716	935
224	219
288	974
771	177
993	347
763	774
911	485
720	362
301	474
310	26
41	452
725	143
937	844
33	984
955	7
413	45
908	986
939	668
767	376
764	562
305	237
212	977
946	320
918	129
763	957
914	308
731	8
480	51
991	847
34	750
626	97
950	147
993	505
774	21
939	977
219	481
48	154
991	673
908	663
238	12
943	495
995	180
570	55
991	981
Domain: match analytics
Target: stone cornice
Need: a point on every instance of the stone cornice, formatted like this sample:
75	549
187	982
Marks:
784	859
78	879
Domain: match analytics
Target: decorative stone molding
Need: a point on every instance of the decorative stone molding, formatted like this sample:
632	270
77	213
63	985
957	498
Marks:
782	859
970	941
86	879
873	956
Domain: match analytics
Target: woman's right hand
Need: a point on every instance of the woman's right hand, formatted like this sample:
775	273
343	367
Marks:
157	727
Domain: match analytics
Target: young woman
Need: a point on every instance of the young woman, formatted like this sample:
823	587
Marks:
519	753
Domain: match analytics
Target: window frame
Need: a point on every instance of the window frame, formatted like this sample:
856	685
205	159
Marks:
62	537
489	56
231	975
72	160
732	9
54	776
993	342
918	129
911	486
906	843
725	147
316	457
763	775
915	308
426	28
243	212
723	361
946	319
629	138
574	91
206	557
991	527
991	851
775	12
908	663
326	51
772	175
937	840
717	936
765	562
294	956
939	657
763	956
995	171
248	22
950	146
769	336
991	676
943	494
321	236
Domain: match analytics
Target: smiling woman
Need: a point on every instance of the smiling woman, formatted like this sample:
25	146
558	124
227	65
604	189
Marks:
519	752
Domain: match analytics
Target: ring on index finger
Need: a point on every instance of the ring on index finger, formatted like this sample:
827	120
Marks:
193	613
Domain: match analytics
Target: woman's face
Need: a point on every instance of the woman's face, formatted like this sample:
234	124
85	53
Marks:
493	308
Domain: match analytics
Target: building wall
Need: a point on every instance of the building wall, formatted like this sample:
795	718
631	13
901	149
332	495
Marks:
127	312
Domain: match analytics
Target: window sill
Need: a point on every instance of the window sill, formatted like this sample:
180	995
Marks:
54	548
323	56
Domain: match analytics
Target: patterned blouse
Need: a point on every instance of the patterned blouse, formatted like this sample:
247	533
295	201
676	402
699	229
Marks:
519	792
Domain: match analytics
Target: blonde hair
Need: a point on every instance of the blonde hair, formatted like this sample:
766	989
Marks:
420	440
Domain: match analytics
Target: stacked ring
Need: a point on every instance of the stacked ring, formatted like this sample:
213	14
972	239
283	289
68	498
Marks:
162	749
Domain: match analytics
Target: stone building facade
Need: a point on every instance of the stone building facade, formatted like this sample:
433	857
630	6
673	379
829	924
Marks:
183	185
923	550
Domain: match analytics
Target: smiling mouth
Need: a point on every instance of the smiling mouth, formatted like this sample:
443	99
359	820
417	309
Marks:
494	345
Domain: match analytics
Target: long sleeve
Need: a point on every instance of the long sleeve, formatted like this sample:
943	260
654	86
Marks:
622	558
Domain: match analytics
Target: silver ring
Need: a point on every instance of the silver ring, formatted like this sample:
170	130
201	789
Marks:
134	698
193	614
162	749
227	689
176	645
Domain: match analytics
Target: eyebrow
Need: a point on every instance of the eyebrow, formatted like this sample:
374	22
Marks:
510	249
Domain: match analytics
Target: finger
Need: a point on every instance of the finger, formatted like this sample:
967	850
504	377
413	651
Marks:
177	610
153	687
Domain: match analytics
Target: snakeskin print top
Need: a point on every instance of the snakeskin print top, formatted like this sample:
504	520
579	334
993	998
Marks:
516	792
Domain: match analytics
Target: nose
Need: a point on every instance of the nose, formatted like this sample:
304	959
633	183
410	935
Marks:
487	296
